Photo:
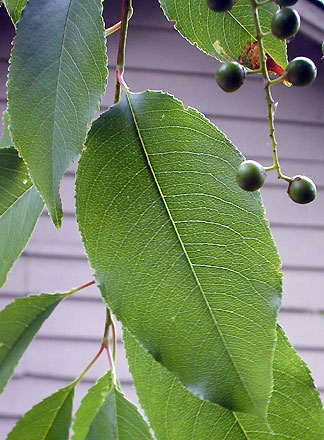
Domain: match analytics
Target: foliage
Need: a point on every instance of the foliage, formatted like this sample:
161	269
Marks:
171	223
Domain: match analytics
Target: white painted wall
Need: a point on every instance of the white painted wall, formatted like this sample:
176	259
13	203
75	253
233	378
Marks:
158	58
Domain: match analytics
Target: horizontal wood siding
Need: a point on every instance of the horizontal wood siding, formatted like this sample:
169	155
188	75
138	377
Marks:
158	58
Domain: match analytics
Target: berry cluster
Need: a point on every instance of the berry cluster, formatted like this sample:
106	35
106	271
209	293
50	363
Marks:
251	176
300	72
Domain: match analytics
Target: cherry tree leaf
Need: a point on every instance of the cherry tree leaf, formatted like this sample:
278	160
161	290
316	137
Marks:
295	410
224	35
105	414
56	81
14	8
19	323
48	420
6	140
182	255
20	208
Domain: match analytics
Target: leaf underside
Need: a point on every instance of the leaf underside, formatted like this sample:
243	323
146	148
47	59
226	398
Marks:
224	35
182	255
56	81
48	420
20	208
295	410
105	414
19	323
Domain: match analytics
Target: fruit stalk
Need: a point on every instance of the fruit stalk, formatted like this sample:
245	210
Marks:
268	95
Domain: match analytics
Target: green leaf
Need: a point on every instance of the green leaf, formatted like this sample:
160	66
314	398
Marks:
224	35
89	407
6	140
295	410
182	255
105	414
56	81
20	208
19	323
14	8
48	420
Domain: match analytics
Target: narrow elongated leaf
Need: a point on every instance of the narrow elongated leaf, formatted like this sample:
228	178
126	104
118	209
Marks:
224	35
295	410
89	407
105	414
20	208
48	420
19	323
5	140
14	8
56	82
182	255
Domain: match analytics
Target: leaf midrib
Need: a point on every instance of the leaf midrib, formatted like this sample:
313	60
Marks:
184	249
59	69
28	328
16	201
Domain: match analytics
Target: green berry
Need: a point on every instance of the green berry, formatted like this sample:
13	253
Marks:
323	49
301	71
230	76
283	3
285	23
220	5
250	175
302	190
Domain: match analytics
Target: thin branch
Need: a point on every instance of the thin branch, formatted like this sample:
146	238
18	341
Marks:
117	26
270	102
126	10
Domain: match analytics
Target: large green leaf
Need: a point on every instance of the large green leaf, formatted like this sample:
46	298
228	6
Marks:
5	140
20	208
48	420
224	35
19	323
56	81
295	410
105	414
182	255
14	8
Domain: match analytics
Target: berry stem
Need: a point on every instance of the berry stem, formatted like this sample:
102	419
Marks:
270	102
126	12
253	72
281	78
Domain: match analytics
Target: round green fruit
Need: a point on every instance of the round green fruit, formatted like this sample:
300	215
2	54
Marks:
230	76
285	23
250	175
220	5
301	71
283	3
302	190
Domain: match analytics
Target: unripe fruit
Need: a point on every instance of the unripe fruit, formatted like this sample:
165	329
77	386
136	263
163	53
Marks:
302	190
230	76
301	71
283	3
250	175
285	23
220	5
